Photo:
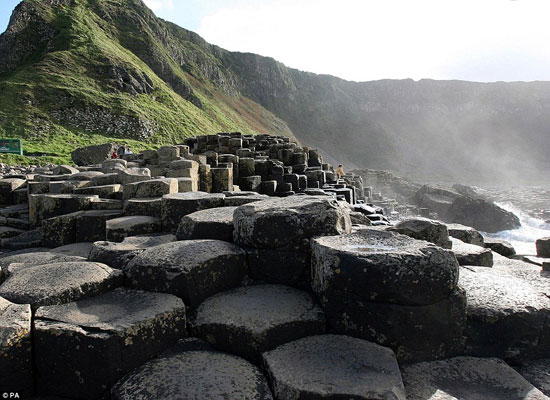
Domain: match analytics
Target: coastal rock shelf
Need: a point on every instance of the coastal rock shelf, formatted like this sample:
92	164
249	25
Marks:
243	267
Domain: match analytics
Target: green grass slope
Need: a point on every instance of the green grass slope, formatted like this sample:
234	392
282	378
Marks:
79	72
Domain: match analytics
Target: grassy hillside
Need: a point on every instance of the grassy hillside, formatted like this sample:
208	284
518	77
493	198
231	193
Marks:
90	80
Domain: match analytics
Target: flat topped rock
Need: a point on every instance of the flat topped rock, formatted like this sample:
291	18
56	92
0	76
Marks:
59	282
103	338
424	229
119	228
15	348
469	254
376	265
507	314
117	255
287	222
194	375
80	249
467	378
212	223
24	258
334	366
190	269
177	205
250	320
499	246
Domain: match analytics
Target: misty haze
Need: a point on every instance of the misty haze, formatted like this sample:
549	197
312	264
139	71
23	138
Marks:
274	199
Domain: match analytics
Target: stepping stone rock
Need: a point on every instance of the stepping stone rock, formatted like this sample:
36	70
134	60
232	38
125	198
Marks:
25	240
43	206
213	223
190	269
149	207
151	188
288	222
333	366
15	348
235	201
507	315
466	234
424	229
536	372
83	348
375	265
117	255
198	374
7	187
59	282
133	175
469	254
7	232
176	206
119	228
467	378
105	191
30	258
501	247
250	320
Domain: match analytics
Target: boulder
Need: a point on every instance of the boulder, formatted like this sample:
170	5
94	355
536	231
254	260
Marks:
176	206
482	215
466	234
289	222
15	349
333	366
250	320
117	255
507	313
150	207
543	247
438	328
190	269
119	228
212	223
194	374
59	282
7	187
286	267
436	198
424	229
501	247
469	254
133	175
82	348
358	218
375	265
467	378
93	154
106	179
65	170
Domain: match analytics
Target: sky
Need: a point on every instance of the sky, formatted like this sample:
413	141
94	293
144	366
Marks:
361	40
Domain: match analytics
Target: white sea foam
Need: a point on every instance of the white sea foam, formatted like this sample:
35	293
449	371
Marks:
523	239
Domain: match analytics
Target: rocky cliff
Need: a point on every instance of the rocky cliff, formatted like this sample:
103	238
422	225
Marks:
75	71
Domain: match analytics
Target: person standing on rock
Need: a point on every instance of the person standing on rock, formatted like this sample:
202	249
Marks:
121	150
114	156
340	171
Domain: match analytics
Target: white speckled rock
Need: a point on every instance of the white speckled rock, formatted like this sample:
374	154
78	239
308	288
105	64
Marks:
469	254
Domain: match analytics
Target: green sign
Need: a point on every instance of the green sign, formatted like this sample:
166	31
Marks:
11	146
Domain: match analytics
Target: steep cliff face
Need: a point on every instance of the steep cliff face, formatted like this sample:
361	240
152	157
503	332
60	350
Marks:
78	71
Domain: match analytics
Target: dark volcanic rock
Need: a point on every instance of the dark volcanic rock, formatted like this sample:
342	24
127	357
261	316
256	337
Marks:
280	266
466	234
196	374
436	199
250	320
332	366
482	215
190	269
469	254
287	222
438	328
59	282
177	205
424	229
117	229
543	247
117	255
213	223
15	348
93	154
83	348
467	378
375	265
536	372
501	247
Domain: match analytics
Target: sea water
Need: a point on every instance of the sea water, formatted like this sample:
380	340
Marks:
523	239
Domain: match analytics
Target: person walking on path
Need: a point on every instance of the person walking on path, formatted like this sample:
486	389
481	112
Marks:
340	171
